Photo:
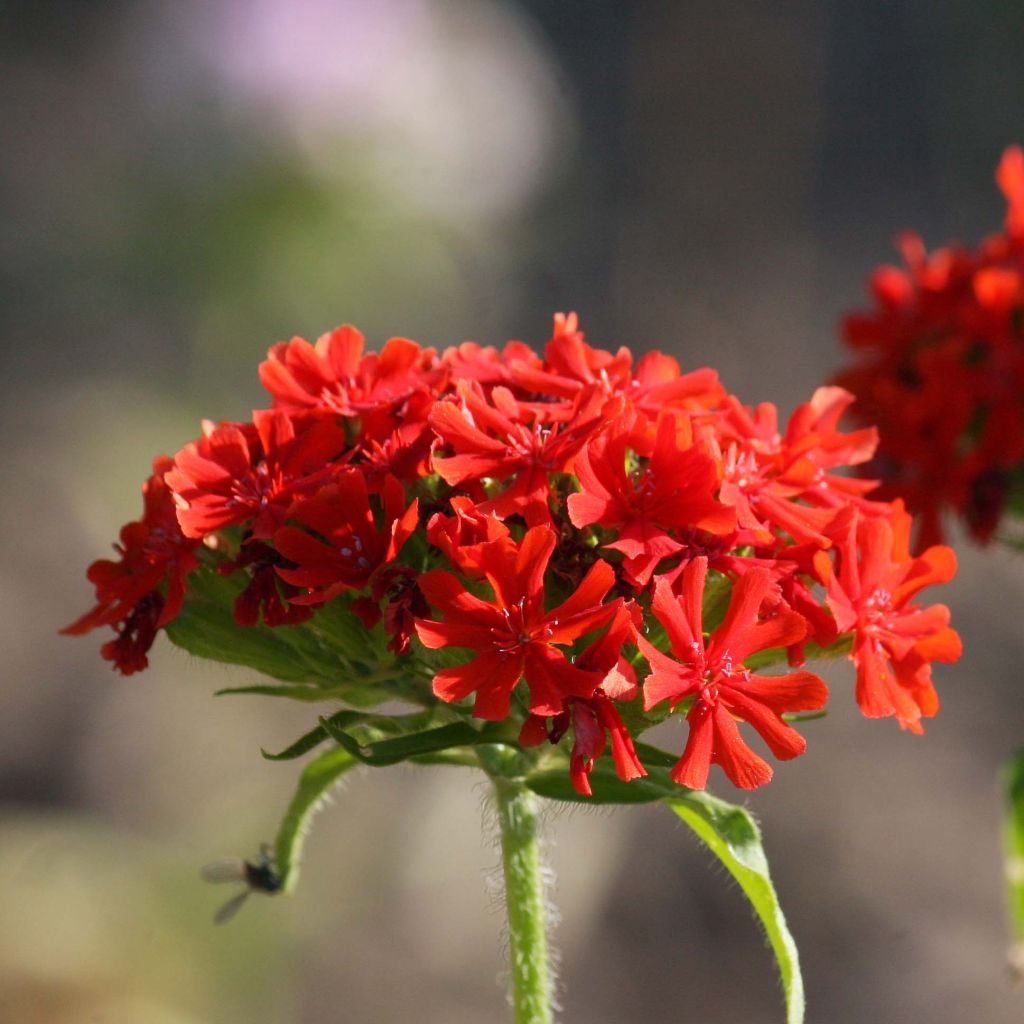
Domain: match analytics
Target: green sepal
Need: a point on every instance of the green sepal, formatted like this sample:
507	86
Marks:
727	830
317	779
804	716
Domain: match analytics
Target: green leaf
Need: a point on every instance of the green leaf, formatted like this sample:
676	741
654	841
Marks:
316	781
206	627
305	743
726	829
717	595
333	651
1013	844
552	780
296	691
733	836
381	753
554	783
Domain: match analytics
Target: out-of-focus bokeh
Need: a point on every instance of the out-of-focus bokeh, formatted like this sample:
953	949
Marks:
184	183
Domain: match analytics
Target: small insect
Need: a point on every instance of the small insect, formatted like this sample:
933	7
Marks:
259	876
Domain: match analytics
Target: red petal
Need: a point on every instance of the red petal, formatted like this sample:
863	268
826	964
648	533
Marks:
692	768
682	618
743	767
583	611
341	350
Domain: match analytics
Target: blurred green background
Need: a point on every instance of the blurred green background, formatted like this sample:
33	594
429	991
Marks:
185	183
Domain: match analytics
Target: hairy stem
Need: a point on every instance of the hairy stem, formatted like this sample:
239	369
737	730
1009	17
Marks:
519	819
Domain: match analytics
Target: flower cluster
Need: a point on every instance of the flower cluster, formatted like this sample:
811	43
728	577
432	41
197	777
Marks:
940	370
577	542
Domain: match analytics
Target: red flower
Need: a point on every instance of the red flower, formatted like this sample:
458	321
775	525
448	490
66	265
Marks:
235	474
512	635
145	588
492	439
940	370
320	497
894	640
593	719
335	376
262	596
470	361
398	586
673	492
462	537
712	675
774	479
353	548
571	366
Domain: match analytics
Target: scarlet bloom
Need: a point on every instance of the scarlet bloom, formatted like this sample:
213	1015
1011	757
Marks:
712	675
335	376
512	635
572	367
353	547
144	589
463	536
894	640
232	475
939	368
672	492
632	480
781	482
493	439
262	596
594	719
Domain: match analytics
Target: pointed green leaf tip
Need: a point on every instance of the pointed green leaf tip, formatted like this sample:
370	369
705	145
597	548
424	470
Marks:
316	781
733	837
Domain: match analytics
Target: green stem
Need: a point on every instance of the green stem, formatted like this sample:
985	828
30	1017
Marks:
519	818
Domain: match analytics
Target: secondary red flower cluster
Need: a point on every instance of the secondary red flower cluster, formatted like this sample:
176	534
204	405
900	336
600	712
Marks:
599	536
940	370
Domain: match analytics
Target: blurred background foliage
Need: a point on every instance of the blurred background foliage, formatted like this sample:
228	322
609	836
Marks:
184	183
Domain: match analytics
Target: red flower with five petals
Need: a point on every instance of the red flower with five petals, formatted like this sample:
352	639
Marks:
335	375
351	547
512	635
594	719
492	439
145	588
674	491
232	474
713	676
894	640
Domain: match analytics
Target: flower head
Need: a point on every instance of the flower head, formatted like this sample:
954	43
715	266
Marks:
939	369
547	534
